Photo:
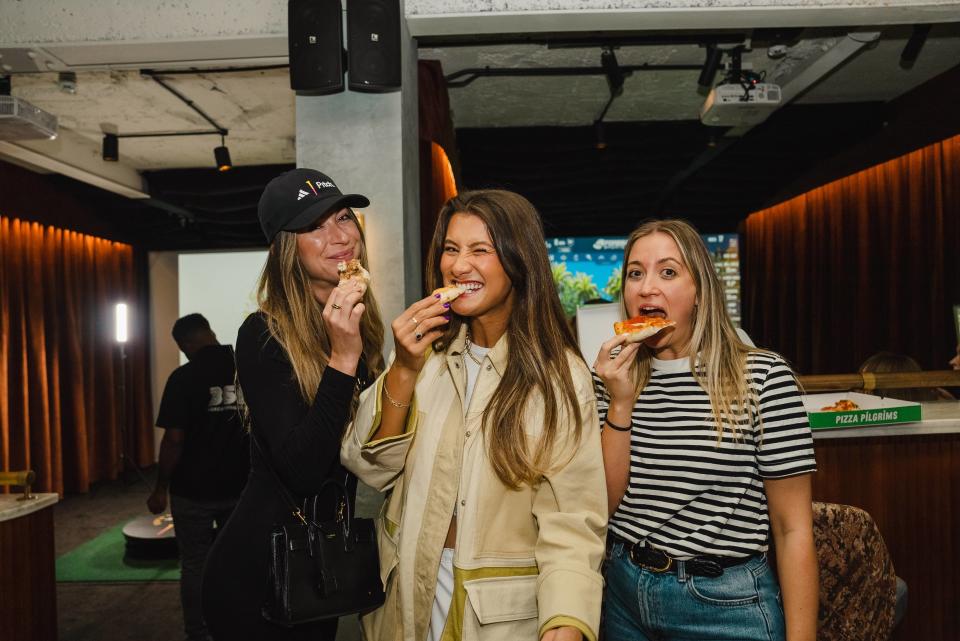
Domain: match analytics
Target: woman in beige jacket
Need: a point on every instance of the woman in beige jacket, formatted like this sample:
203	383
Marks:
484	433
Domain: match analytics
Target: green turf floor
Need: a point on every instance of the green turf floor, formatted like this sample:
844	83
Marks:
101	560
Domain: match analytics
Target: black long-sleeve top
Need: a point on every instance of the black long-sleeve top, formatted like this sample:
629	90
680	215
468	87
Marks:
303	444
303	441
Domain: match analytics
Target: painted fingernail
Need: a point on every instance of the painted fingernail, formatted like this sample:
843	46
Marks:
436	295
447	316
446	305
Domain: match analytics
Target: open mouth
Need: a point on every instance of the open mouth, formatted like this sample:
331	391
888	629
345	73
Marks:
344	255
468	287
649	310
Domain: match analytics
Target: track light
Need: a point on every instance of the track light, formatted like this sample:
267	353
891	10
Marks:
600	142
222	156
710	66
67	81
615	75
111	148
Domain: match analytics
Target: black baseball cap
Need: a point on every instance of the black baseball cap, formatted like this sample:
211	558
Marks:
298	198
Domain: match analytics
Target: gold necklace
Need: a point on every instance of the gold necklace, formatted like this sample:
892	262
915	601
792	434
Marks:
466	350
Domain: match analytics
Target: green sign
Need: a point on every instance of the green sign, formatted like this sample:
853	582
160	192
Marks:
862	418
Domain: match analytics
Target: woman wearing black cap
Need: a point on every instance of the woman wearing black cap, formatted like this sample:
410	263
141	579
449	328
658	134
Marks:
300	361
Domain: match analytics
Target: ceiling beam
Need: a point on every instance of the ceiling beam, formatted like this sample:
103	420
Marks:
463	17
77	157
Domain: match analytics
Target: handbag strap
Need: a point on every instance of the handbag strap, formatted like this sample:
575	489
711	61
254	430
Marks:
345	490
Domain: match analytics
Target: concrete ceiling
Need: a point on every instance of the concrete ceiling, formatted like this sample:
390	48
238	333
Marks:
873	75
258	106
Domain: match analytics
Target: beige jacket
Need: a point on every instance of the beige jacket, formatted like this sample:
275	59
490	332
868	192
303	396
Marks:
526	560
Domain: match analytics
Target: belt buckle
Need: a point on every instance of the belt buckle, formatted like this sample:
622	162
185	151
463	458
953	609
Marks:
652	568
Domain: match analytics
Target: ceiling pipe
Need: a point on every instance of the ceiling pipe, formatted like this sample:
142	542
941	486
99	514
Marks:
471	74
911	51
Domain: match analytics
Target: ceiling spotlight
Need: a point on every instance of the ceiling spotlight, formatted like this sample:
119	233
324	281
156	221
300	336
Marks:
777	51
615	75
67	81
111	148
710	66
600	139
222	156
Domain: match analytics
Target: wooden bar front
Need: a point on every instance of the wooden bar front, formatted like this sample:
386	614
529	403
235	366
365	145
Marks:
910	484
28	589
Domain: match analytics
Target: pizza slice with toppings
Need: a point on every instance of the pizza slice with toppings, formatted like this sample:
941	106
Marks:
639	328
843	405
353	272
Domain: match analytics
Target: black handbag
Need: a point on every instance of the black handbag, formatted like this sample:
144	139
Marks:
321	569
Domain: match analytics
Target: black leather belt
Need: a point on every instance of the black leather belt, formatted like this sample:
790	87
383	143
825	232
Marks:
654	560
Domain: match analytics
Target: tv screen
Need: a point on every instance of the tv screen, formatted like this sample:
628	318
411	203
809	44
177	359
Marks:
587	269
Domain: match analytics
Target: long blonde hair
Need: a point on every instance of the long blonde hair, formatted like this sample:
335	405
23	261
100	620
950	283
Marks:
718	358
295	319
539	339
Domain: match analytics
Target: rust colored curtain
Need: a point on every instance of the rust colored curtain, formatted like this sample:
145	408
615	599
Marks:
439	166
60	401
866	263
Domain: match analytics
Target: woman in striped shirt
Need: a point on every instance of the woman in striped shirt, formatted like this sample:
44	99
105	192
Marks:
707	453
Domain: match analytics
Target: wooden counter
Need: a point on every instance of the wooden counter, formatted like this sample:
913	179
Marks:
908	478
28	589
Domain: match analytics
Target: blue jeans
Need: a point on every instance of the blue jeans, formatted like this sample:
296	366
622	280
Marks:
742	604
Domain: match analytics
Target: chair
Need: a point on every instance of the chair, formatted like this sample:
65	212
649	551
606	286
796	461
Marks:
858	586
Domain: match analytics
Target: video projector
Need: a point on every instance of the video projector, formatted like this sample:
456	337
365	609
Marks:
730	105
19	120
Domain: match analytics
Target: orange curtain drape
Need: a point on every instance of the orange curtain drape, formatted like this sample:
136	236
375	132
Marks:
61	407
866	263
438	150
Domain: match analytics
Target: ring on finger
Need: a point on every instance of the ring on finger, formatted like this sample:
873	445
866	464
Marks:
418	336
335	306
413	319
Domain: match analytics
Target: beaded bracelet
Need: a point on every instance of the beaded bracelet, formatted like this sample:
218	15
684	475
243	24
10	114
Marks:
392	400
617	427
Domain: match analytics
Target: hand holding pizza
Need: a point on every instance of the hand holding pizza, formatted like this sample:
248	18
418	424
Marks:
341	317
615	370
416	328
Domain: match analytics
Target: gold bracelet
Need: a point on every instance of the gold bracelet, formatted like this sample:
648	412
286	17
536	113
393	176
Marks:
392	400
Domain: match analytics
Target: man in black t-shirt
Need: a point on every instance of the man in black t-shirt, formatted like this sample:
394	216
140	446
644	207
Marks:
204	454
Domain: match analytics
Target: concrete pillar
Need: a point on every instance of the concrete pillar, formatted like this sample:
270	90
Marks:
368	144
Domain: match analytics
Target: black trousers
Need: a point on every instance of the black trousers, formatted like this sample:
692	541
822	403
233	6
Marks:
194	520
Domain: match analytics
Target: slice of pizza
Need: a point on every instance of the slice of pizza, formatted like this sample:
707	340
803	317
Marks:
843	405
639	328
353	272
447	294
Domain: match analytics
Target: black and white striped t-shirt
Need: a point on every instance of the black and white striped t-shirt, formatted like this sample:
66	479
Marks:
688	496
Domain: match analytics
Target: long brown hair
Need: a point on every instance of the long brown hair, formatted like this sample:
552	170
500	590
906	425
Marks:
718	358
539	339
295	319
